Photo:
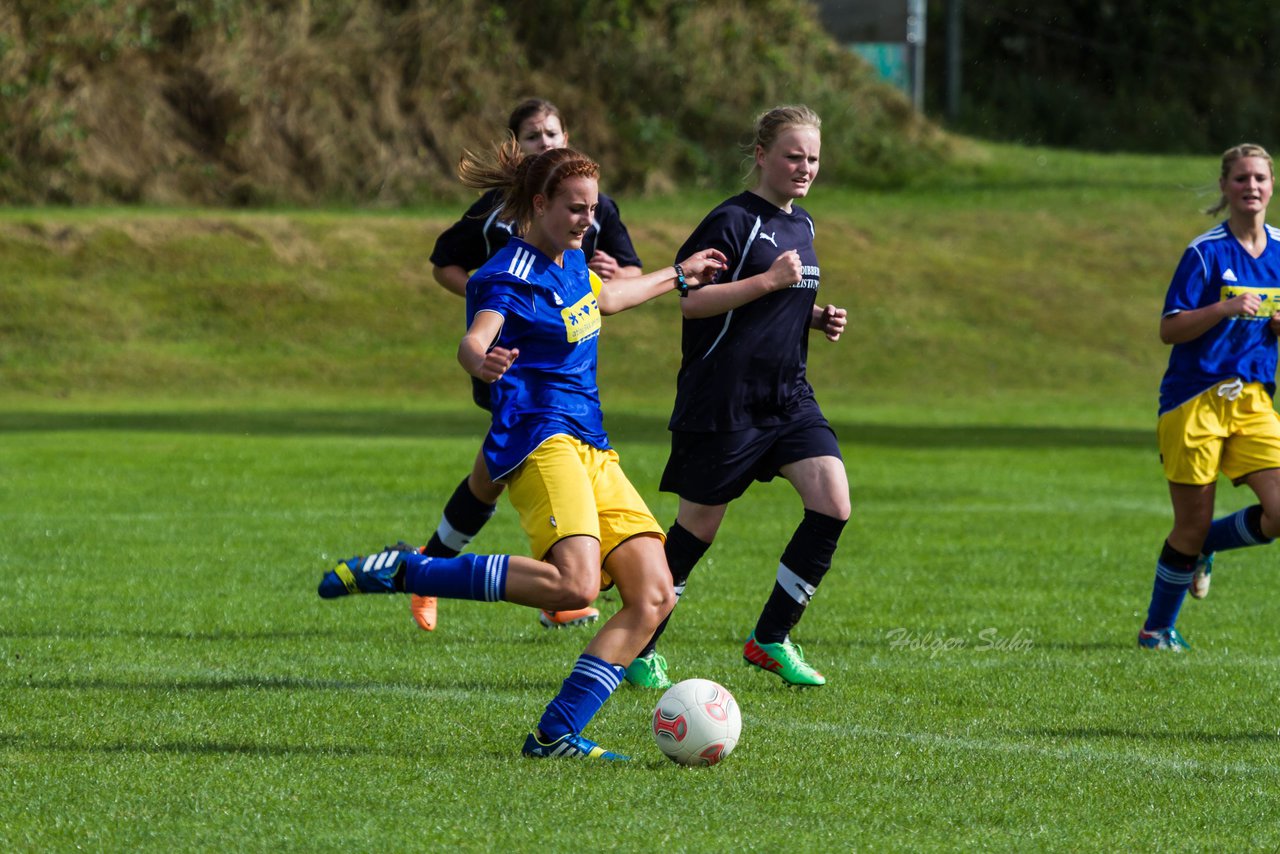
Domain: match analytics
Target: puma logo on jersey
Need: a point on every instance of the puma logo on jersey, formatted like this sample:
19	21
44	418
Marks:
772	238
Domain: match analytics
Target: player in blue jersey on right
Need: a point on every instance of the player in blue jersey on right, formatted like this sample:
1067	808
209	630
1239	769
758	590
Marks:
744	410
1216	410
536	126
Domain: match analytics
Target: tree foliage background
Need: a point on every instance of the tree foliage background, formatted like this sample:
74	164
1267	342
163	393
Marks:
372	101
1136	75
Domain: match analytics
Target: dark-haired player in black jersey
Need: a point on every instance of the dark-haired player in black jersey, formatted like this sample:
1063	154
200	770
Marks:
744	410
537	126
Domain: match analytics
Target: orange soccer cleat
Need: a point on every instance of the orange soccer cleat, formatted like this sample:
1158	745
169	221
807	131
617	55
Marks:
423	611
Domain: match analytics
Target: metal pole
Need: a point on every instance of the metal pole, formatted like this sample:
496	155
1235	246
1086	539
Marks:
916	12
955	25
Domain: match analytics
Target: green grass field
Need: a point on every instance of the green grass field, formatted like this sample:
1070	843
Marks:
171	682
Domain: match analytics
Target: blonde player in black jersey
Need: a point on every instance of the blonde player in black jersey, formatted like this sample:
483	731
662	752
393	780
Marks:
744	410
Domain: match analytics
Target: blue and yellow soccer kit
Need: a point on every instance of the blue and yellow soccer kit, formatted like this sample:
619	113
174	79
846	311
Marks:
547	439
1216	410
482	231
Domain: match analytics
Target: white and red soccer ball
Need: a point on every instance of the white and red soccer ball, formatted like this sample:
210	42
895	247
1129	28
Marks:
697	722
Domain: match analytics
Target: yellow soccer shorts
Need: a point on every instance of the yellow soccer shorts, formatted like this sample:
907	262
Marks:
1230	428
567	488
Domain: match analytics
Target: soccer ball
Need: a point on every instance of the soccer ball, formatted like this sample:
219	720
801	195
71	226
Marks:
697	722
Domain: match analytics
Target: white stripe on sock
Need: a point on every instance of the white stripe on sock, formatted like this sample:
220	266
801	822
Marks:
451	536
1172	576
795	586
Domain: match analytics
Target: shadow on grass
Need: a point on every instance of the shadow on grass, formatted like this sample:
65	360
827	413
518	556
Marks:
625	427
188	747
212	683
439	684
1187	735
537	637
325	635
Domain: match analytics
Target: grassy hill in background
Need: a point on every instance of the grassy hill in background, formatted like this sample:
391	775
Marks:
1027	278
250	102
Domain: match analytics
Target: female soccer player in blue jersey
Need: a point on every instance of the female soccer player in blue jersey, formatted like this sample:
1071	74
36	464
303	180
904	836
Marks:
536	126
534	313
744	410
1216	411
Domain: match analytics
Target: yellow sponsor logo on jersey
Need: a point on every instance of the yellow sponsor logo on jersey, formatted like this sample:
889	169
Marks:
581	319
1270	299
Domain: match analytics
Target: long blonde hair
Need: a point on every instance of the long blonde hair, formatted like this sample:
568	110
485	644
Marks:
1229	157
522	177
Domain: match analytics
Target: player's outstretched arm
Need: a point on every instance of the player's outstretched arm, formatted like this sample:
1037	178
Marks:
724	297
475	353
628	292
830	320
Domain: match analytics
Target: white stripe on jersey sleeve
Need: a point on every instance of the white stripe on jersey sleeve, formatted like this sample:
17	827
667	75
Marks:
484	232
737	271
1217	233
746	249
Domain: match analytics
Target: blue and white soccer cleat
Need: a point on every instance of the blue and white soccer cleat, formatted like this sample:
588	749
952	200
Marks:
571	746
1164	639
373	574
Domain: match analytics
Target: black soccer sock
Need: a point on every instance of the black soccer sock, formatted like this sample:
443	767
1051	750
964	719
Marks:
804	562
683	550
464	515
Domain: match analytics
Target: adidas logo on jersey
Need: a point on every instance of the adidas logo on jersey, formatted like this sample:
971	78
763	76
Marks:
1229	276
557	297
521	264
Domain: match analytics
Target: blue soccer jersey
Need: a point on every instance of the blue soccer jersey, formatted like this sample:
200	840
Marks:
1216	267
472	240
550	315
746	368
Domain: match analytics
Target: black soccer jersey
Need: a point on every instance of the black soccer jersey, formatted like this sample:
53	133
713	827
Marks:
481	232
746	367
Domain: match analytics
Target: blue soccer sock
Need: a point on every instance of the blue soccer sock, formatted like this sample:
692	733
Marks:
1174	571
463	517
482	578
1235	531
581	696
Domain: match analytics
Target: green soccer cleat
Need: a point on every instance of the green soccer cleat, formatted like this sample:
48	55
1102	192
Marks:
649	671
785	659
1165	639
1200	580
